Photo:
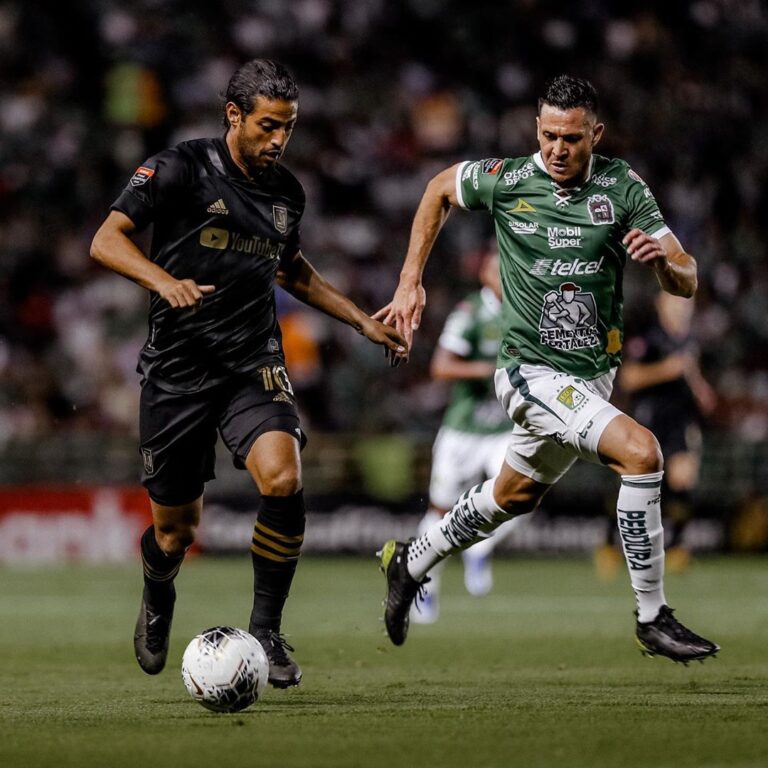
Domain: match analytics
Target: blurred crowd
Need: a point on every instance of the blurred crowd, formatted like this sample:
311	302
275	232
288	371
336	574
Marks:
391	92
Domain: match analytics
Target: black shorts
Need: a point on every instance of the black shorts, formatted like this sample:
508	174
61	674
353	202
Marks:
178	431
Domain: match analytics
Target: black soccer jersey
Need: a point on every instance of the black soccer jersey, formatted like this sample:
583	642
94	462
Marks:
673	399
214	225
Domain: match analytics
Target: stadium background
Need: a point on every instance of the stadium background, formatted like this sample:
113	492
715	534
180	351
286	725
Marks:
391	92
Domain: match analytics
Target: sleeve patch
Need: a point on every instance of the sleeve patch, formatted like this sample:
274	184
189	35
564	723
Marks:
492	166
142	176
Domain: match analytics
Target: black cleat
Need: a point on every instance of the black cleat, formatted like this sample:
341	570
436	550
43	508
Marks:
153	628
283	670
666	636
402	589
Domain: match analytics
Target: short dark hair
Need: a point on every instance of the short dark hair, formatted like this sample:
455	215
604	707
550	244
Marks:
567	92
259	77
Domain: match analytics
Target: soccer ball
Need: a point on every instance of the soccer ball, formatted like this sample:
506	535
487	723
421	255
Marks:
225	669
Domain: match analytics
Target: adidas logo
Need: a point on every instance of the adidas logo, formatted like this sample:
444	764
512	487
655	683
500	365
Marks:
218	207
281	397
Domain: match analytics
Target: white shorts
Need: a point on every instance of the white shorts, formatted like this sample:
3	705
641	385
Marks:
461	460
558	418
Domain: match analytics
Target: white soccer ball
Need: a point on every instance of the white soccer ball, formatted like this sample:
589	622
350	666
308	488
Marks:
225	669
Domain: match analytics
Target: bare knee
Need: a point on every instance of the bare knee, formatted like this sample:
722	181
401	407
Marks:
176	526
175	538
283	482
642	453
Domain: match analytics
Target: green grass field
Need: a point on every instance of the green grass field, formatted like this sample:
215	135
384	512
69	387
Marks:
544	672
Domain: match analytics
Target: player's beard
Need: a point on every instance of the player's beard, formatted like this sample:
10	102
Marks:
253	158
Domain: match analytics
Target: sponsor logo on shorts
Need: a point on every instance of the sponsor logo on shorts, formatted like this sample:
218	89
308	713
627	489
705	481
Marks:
281	397
149	461
142	175
570	397
600	209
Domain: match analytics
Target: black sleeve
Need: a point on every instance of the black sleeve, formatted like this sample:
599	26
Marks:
292	247
154	186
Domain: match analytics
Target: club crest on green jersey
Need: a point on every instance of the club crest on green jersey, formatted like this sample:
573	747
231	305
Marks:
600	209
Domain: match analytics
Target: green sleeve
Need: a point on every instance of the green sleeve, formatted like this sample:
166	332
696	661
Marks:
475	182
644	211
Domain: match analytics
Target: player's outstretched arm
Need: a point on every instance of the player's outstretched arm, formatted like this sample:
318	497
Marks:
675	269
300	279
407	305
112	246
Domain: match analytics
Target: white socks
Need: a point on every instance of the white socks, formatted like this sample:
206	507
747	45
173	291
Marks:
473	516
642	537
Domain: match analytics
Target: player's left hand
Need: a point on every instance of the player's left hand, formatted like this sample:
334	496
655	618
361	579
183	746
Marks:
395	347
643	248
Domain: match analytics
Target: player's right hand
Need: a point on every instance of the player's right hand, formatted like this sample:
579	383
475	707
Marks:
405	310
183	294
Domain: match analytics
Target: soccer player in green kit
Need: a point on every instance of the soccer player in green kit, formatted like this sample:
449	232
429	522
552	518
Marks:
566	220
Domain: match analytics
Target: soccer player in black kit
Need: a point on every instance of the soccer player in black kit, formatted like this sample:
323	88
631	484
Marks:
226	219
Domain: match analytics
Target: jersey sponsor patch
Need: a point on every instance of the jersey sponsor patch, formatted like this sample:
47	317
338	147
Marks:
512	177
564	237
636	176
569	319
492	166
565	268
613	343
214	237
600	209
524	227
142	176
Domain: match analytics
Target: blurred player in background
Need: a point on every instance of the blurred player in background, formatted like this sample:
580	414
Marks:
565	219
473	438
226	218
669	395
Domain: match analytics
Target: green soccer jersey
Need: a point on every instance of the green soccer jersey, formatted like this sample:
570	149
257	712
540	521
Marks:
473	332
562	259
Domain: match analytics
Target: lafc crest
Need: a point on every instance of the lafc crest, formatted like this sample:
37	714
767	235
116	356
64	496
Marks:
280	217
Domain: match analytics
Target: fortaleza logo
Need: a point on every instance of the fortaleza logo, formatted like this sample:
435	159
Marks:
566	268
221	239
569	319
564	237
